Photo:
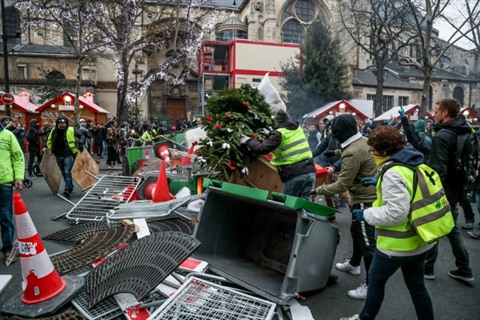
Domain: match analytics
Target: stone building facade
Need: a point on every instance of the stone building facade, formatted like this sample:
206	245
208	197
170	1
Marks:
263	20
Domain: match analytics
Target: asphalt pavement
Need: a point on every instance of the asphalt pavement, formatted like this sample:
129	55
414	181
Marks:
452	299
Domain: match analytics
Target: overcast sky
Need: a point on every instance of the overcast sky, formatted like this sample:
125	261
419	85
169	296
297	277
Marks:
456	13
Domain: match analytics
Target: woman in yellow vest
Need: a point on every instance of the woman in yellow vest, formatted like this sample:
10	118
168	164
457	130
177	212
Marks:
398	247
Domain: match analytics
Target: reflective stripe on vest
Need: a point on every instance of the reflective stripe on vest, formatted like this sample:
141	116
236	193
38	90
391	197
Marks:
294	147
401	237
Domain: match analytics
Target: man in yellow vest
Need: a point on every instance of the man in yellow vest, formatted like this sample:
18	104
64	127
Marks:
291	155
61	141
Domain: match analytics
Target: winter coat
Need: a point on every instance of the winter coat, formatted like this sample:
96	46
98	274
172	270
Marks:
357	163
395	196
33	137
11	158
442	157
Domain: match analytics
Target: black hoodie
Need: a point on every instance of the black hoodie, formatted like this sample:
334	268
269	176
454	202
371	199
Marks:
60	146
344	126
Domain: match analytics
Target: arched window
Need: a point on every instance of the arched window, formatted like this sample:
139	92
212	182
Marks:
459	95
55	75
296	18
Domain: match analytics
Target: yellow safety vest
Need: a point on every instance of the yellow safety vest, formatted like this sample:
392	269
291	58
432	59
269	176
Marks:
429	218
70	139
294	148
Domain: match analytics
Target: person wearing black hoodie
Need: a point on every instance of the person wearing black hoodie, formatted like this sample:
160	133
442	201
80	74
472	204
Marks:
61	142
357	164
33	139
291	155
442	160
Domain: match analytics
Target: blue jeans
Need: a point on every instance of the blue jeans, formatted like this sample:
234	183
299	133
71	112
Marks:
382	268
300	186
462	259
66	164
6	217
477	201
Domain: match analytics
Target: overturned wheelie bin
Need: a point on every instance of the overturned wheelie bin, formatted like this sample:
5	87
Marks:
277	246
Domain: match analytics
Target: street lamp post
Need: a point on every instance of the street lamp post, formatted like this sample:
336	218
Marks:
5	55
136	72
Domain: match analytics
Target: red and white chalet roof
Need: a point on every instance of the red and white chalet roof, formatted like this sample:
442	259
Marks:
86	102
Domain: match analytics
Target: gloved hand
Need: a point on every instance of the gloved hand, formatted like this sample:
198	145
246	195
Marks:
329	153
244	139
358	214
369	181
401	111
264	131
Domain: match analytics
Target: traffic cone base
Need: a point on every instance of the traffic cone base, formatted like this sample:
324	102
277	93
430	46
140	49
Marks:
15	306
161	192
41	283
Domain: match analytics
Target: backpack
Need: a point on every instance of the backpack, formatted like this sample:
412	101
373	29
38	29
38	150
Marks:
466	157
430	215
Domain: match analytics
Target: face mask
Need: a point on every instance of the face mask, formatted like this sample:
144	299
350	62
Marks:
379	160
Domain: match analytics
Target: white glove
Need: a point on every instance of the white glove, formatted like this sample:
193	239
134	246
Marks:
244	139
264	131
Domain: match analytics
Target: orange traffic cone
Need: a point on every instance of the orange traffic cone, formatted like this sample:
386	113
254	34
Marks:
164	153
161	192
188	159
147	154
41	281
43	291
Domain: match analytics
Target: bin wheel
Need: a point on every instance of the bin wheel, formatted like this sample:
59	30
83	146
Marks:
36	170
27	183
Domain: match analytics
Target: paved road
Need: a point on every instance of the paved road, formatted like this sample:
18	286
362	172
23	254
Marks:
452	299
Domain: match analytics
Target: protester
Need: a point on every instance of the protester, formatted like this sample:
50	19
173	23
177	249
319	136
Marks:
357	164
12	173
147	136
83	136
112	147
44	132
33	139
396	247
97	134
291	155
442	160
61	142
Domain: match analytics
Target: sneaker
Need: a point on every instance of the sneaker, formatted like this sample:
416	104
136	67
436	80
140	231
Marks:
429	276
66	194
354	317
347	267
457	274
474	235
359	293
468	224
7	256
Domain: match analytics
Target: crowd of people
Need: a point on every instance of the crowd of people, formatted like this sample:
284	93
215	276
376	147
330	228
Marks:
373	164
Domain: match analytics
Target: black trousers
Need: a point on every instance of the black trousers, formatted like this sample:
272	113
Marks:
363	240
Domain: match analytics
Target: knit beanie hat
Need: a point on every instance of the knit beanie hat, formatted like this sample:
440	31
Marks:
420	126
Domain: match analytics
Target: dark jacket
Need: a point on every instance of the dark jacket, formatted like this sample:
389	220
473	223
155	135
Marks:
272	142
33	137
442	157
